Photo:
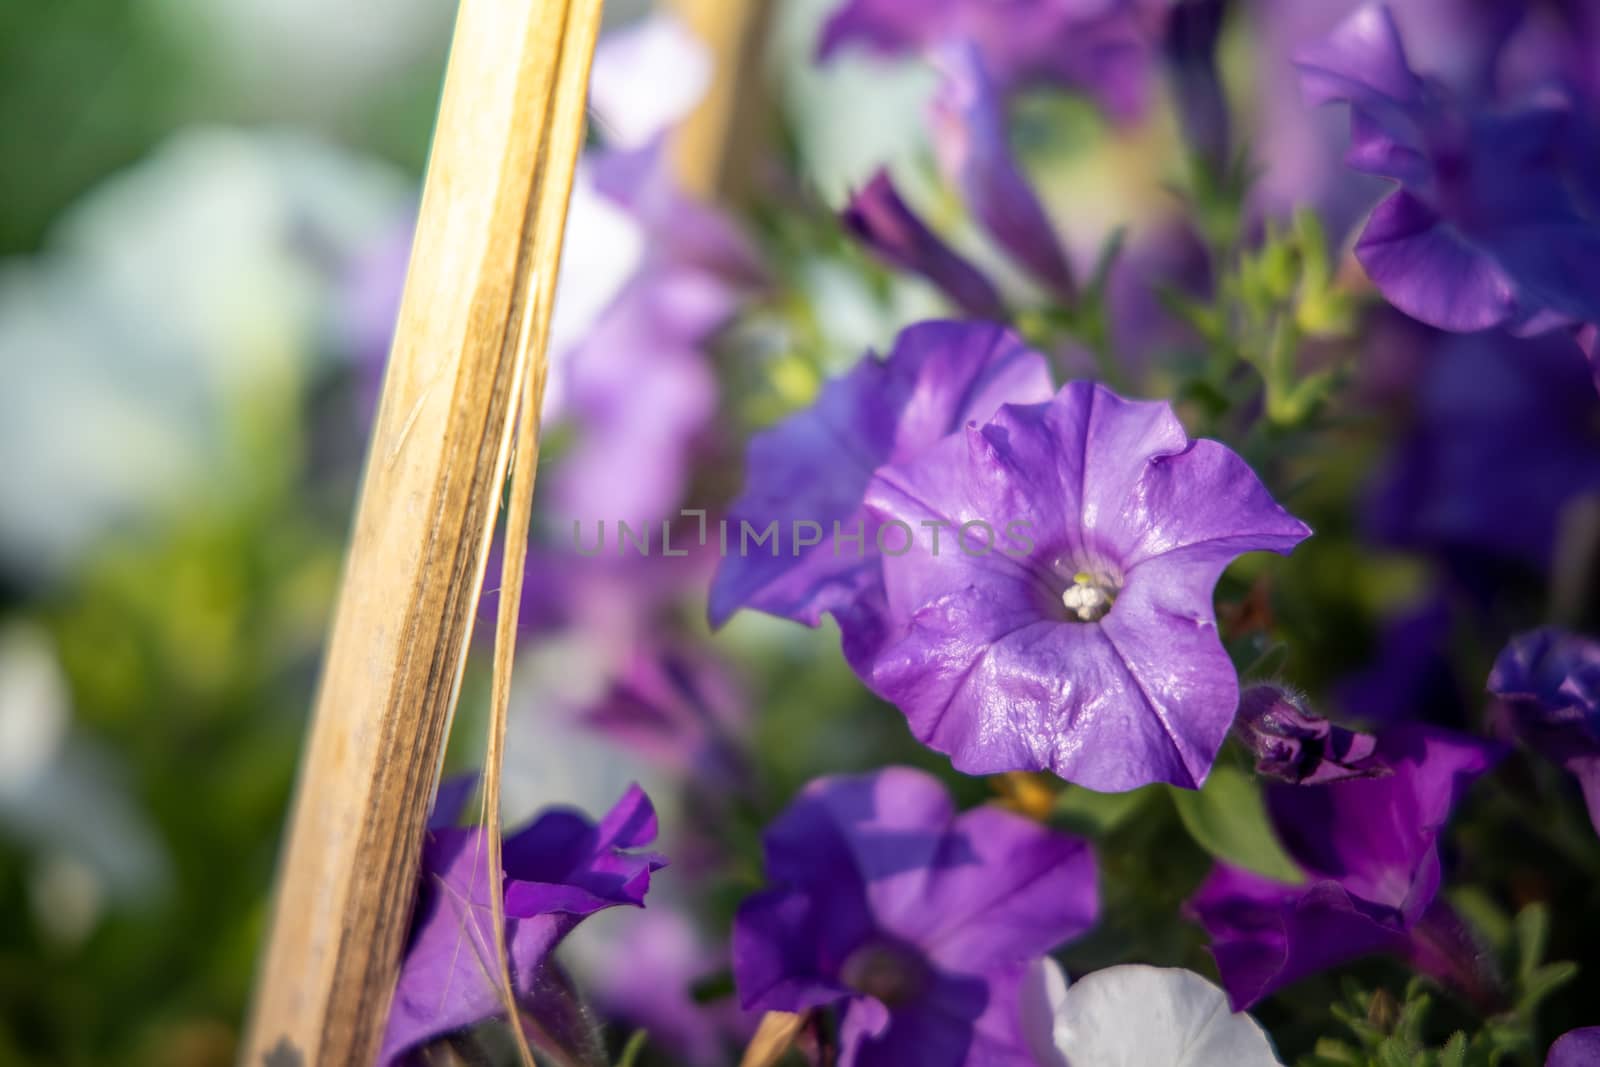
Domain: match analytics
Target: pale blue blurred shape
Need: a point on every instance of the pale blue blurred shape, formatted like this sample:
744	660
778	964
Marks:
170	301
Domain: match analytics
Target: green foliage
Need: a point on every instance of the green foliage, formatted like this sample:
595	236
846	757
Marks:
1229	820
1385	1032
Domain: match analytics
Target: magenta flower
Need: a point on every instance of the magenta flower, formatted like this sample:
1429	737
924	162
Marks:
918	923
1065	621
558	869
815	465
1369	851
1548	685
1484	230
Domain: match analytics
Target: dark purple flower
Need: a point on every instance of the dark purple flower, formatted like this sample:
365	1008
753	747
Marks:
1410	675
1189	46
1103	47
1505	433
1576	1048
1369	851
919	923
1484	230
557	870
1548	684
814	467
882	221
1065	622
1294	745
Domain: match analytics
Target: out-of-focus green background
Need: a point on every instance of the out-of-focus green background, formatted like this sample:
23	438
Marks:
185	188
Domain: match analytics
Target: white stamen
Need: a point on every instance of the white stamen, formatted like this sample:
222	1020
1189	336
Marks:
1087	599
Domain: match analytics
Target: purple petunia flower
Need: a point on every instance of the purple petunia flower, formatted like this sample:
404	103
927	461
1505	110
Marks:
917	922
1576	1048
1548	682
815	465
1294	745
1484	230
558	869
1082	639
1369	851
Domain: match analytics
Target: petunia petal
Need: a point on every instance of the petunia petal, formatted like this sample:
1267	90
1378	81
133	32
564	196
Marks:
1135	1014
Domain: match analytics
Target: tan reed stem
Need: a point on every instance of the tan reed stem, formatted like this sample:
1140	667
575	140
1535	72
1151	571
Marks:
470	338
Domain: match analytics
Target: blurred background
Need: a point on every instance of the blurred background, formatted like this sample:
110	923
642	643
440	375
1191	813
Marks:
184	185
205	207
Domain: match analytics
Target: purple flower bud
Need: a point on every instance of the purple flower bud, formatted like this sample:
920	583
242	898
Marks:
880	219
1295	745
1548	682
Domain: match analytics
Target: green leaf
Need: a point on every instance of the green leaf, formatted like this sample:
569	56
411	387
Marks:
1454	1053
1095	814
1229	820
1533	937
633	1049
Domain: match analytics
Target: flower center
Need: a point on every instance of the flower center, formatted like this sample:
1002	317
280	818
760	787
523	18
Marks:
895	974
1089	597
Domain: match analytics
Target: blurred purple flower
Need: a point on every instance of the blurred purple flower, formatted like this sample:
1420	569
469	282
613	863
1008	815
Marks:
1484	230
1457	41
1102	47
919	923
1082	640
1369	850
882	221
1410	675
1505	433
1548	685
637	386
1297	746
815	465
557	870
969	133
1576	1048
642	973
1189	47
676	707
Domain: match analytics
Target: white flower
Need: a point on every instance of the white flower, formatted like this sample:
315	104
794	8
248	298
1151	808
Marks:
1133	1016
647	77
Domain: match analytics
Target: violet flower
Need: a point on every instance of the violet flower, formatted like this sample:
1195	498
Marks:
1484	230
1548	685
1576	1048
1297	746
1103	48
1065	622
815	465
1369	851
917	922
557	870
